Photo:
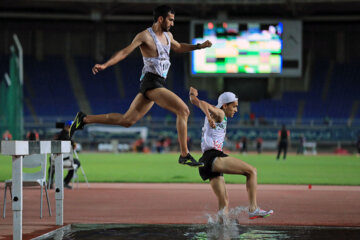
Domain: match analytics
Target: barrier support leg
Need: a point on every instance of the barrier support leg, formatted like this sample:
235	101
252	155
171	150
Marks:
59	189
17	196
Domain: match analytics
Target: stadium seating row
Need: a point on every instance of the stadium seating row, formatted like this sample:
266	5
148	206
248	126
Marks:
48	89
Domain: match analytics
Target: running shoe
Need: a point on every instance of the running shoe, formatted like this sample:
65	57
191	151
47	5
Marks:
190	161
259	213
77	124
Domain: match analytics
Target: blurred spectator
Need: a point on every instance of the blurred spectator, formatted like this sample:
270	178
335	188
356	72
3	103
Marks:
32	135
283	141
358	146
301	147
259	142
64	135
252	118
160	145
238	146
243	145
262	120
7	136
167	144
139	145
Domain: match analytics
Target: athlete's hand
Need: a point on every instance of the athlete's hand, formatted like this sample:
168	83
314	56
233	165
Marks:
206	44
98	67
193	91
211	122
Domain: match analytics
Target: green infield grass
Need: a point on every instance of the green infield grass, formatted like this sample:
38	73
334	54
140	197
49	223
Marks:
164	168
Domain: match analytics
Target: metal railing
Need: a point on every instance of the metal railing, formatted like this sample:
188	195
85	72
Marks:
49	121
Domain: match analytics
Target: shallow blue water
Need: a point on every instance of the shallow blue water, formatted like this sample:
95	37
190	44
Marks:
197	232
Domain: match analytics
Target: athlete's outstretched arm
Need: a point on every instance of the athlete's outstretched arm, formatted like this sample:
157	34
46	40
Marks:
185	47
216	113
120	55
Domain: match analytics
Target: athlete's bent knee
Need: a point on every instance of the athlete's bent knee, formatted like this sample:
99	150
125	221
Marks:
128	123
184	112
251	171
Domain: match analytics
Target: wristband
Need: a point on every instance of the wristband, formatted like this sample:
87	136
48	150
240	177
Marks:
198	46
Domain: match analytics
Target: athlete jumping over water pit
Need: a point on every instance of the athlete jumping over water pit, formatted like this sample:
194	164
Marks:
155	43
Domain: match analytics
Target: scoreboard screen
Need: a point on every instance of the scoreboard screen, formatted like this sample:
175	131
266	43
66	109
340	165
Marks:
248	48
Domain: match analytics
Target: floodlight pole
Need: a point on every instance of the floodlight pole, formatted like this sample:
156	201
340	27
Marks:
20	50
21	79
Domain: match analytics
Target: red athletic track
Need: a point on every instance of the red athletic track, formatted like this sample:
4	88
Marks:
185	204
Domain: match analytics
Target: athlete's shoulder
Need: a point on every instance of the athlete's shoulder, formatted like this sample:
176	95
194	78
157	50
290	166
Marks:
222	116
144	33
143	36
218	114
170	35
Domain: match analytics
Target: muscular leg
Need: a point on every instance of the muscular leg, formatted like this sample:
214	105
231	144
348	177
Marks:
218	186
138	108
231	165
170	101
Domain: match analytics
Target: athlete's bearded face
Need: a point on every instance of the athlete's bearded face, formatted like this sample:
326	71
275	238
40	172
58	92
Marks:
230	109
168	22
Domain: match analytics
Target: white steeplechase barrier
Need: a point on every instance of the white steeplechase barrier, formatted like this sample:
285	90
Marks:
19	149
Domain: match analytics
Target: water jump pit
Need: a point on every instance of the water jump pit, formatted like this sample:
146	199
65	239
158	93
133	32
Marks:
196	232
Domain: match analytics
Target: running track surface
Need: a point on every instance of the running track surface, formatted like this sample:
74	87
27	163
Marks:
185	204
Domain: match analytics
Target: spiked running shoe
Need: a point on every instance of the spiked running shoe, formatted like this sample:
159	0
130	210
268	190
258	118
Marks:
259	213
77	124
190	161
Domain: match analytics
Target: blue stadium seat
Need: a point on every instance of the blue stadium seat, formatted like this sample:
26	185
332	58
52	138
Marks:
50	83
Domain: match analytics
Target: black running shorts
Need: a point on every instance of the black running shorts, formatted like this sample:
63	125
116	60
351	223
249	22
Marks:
208	158
151	81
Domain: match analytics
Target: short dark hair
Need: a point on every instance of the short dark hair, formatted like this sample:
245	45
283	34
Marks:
163	11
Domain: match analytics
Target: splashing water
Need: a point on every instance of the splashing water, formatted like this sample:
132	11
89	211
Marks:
222	226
